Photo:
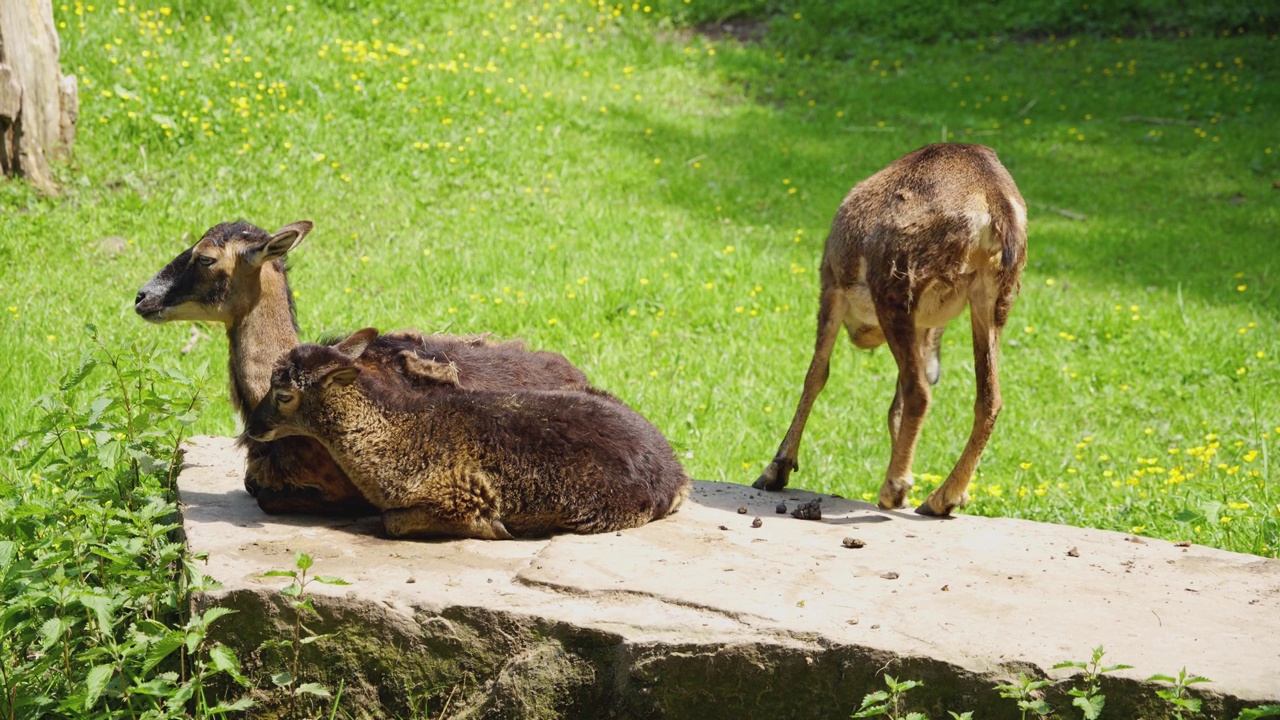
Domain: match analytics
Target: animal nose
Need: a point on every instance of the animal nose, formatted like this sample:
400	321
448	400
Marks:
142	295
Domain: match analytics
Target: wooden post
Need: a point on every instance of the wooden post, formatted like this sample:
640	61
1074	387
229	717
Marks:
39	105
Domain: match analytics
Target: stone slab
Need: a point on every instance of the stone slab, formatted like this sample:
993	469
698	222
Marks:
783	612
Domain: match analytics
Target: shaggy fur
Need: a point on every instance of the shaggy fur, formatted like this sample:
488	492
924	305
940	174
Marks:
441	461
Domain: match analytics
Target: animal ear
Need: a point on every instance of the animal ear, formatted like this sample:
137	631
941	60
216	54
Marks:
279	245
353	347
340	376
430	370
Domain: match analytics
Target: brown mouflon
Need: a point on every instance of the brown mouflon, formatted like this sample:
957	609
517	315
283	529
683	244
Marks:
910	246
236	275
440	461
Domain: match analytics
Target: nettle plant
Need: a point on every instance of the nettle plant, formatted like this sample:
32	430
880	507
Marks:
93	578
1085	689
299	600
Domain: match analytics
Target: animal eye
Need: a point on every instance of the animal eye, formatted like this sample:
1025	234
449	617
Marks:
284	398
206	260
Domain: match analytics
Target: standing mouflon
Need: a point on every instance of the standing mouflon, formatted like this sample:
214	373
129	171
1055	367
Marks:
938	229
443	461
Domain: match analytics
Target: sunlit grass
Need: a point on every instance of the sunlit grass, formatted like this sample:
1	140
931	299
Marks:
652	204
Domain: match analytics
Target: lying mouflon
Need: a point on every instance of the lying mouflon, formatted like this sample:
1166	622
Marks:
445	461
236	275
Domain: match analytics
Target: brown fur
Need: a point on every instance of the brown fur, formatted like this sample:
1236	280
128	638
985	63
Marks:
493	465
910	246
235	275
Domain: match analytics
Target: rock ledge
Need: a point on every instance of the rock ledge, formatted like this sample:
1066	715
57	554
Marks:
703	615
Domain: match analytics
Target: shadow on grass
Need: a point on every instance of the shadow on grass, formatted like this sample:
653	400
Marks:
1114	202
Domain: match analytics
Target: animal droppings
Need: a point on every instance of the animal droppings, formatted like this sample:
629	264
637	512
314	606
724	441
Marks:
781	509
811	510
742	509
757	523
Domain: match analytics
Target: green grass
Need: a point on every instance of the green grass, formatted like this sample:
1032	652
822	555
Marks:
652	204
835	29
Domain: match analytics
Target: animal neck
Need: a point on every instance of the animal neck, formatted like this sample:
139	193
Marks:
258	335
364	440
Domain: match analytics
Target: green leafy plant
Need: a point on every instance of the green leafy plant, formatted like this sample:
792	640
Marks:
889	702
1088	695
1022	691
1177	695
1081	333
92	576
301	602
1262	711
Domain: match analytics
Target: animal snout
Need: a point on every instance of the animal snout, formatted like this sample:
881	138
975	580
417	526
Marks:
258	434
145	304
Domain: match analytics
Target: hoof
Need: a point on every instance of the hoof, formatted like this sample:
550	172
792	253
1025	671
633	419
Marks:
927	510
934	506
899	503
775	476
894	497
500	531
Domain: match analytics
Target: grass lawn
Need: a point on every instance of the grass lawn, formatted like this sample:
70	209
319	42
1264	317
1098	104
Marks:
652	203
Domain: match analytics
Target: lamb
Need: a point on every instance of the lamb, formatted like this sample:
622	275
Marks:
443	461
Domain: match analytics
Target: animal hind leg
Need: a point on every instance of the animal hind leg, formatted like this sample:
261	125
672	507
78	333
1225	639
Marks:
931	342
910	405
831	311
953	492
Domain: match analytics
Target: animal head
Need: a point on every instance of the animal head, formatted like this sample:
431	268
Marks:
218	278
300	383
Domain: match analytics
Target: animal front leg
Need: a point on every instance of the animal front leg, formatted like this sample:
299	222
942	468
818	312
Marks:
426	522
831	312
452	501
297	476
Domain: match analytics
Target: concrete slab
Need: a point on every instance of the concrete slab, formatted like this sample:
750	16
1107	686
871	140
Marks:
705	613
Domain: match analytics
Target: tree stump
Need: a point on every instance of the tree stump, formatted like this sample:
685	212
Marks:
39	105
